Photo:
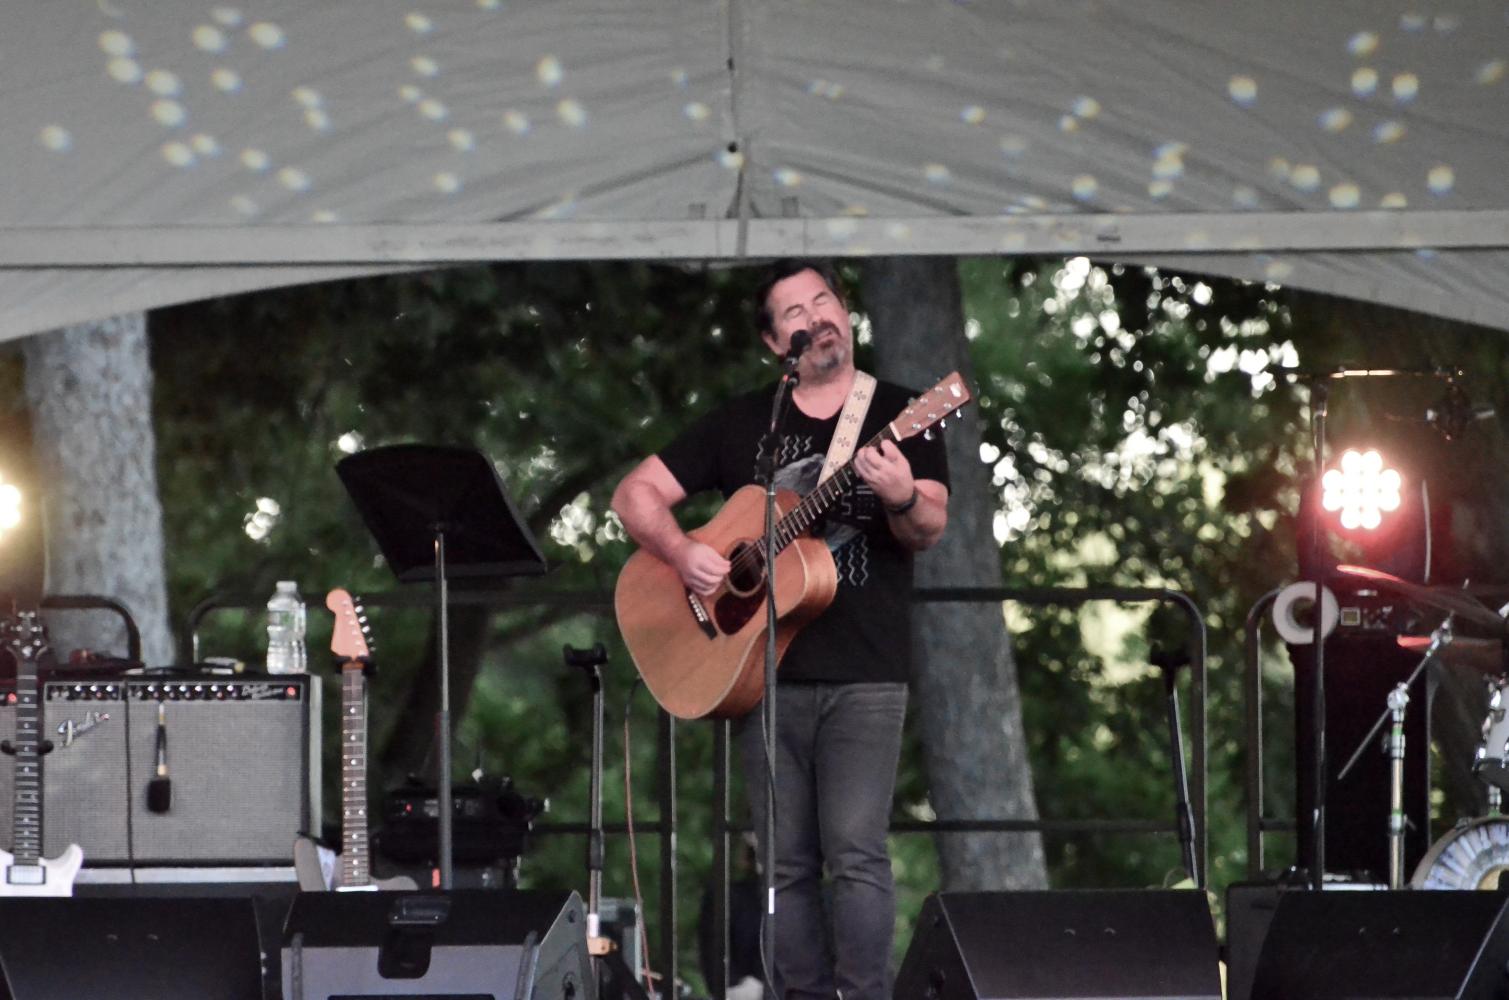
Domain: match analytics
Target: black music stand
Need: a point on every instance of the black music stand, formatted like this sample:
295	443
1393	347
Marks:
438	514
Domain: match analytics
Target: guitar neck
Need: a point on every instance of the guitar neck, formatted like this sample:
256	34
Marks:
27	817
797	521
355	867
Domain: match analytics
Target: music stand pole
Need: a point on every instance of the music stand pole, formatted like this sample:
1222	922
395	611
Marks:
443	715
1319	396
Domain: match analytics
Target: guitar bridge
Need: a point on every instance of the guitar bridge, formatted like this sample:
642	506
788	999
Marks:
704	620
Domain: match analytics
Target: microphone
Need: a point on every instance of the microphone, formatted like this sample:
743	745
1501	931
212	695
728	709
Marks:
160	788
800	341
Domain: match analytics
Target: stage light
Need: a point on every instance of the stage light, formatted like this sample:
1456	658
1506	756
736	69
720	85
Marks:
1361	491
10	507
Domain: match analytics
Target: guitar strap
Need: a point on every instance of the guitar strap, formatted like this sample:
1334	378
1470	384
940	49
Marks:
850	420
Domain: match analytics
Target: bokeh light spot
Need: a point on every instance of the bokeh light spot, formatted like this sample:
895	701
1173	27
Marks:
205	145
244	205
419	23
55	138
548	71
308	97
226	80
937	173
1335	119
1411	21
208	38
433	109
1364	43
1490	72
972	114
1364	81
163	83
461	140
1441	179
1244	196
178	154
124	70
1387	133
410	93
169	114
1394	199
516	122
697	111
572	112
730	159
229	17
1160	189
1086	107
293	179
267	35
424	66
255	159
1406	86
1013	145
787	177
317	119
1084	187
1345	195
1068	123
1279	169
1305	177
447	183
323	215
116	43
1243	90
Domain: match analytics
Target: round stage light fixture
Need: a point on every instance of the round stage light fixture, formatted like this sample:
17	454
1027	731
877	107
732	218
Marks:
1361	490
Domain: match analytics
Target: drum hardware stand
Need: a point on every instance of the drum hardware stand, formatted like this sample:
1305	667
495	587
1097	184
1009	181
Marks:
1169	665
604	951
1398	701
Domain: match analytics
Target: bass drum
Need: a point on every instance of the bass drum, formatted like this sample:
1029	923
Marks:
1473	856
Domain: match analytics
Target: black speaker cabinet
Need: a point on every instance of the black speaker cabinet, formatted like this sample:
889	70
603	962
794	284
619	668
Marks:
130	949
1372	945
1054	945
243	758
476	944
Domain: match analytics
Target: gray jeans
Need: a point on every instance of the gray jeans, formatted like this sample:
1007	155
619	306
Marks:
836	754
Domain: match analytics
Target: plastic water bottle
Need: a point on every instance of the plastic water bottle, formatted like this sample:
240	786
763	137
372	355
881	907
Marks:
285	630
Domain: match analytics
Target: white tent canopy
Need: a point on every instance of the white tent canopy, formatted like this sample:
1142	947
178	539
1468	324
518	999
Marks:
158	151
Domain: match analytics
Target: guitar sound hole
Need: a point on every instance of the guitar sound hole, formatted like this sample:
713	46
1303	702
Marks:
747	573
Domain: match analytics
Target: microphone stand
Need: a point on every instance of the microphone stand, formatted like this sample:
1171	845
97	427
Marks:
788	382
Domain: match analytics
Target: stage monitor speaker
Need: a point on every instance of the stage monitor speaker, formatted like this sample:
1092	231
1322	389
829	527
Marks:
243	759
1055	945
130	949
476	944
1372	945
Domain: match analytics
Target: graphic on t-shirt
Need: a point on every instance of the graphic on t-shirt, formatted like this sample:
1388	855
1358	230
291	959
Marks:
849	546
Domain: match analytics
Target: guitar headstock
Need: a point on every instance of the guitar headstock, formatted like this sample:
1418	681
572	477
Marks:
350	639
932	407
24	634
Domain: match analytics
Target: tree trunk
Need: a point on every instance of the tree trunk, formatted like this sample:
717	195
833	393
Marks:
90	392
964	675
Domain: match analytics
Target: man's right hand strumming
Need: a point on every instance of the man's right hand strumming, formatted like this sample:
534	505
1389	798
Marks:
702	569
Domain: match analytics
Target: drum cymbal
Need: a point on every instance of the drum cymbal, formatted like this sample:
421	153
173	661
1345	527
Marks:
1449	599
1483	655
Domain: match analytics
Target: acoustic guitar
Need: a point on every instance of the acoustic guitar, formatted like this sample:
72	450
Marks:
703	657
348	641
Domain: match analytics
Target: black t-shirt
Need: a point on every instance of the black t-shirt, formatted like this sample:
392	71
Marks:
865	634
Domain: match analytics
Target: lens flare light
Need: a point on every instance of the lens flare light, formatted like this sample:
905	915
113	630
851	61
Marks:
1361	490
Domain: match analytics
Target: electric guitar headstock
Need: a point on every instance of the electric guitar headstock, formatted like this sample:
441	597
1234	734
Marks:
931	408
350	639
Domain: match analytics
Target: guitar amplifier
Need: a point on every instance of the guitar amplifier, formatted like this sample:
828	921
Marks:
243	756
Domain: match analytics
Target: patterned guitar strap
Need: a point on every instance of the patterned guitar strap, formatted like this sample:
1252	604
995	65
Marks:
850	420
